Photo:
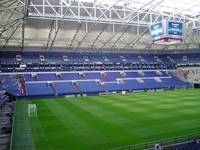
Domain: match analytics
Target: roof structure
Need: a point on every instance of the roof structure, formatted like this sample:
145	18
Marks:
95	24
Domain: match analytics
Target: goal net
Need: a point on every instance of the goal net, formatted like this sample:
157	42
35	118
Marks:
32	110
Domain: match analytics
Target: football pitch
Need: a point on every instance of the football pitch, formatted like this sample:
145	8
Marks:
106	122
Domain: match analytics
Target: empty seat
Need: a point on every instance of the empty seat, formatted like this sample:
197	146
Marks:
38	89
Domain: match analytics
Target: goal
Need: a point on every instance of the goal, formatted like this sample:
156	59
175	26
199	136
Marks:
32	110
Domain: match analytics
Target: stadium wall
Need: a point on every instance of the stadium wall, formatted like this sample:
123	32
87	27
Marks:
62	49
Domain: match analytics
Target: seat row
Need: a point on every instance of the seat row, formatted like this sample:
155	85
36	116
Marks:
43	88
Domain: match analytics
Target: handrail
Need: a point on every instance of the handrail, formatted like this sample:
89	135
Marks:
13	125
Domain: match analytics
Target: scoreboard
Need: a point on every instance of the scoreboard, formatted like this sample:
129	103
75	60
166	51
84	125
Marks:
157	30
175	29
166	31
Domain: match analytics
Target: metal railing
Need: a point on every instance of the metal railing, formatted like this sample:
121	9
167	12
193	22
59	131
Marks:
161	142
12	130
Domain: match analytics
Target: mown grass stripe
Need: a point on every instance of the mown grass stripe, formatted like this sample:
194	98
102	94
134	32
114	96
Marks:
111	121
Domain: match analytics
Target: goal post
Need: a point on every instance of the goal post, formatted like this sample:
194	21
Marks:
32	110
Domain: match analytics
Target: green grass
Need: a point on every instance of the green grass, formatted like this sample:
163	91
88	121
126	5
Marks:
105	122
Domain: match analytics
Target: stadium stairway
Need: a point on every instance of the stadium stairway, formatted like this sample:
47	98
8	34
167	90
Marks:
106	77
23	86
162	83
145	85
53	89
6	117
77	87
101	86
126	86
60	77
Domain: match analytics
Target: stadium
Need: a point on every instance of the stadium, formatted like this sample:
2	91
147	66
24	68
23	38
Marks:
99	75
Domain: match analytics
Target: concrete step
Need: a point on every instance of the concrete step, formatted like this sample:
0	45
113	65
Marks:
4	136
4	147
4	119
5	141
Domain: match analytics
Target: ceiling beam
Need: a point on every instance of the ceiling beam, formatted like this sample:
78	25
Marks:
10	36
113	35
100	33
50	32
74	36
7	23
92	26
58	26
122	34
25	12
134	41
